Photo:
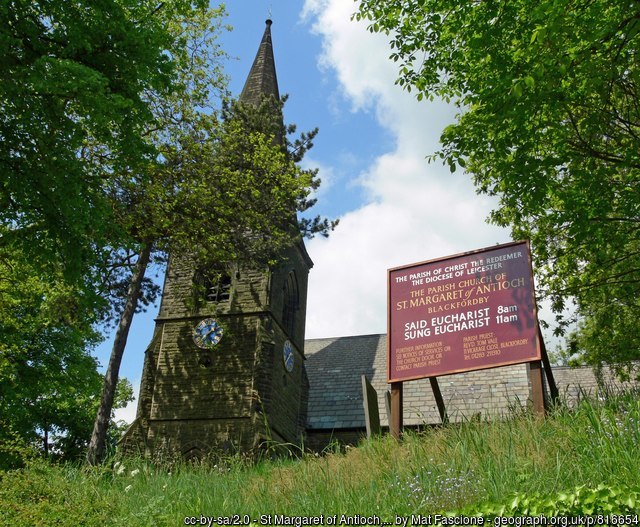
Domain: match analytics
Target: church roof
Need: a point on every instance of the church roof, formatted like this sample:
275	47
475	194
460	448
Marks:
262	79
334	367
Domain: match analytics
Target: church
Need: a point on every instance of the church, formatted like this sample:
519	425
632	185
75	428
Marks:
236	373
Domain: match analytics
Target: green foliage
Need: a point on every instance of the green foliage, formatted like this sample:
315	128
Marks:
73	83
85	90
549	123
43	495
196	200
112	152
48	379
224	187
14	451
603	330
581	501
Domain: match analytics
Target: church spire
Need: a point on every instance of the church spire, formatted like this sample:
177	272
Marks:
262	80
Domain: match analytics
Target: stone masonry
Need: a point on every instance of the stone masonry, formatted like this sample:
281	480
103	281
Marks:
238	394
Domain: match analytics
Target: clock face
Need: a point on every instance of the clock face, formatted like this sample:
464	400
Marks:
287	356
207	333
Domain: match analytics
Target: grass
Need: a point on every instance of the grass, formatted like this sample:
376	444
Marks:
445	469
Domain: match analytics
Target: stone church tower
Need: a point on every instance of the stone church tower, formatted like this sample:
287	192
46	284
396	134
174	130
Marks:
228	375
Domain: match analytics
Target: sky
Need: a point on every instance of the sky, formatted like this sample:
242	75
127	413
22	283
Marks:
395	207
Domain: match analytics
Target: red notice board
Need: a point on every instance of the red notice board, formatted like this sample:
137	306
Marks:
460	313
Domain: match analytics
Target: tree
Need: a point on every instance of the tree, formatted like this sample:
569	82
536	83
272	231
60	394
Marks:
79	86
108	120
73	77
49	385
549	122
82	88
146	198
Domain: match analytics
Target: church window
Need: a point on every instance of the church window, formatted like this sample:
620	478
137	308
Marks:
291	303
215	284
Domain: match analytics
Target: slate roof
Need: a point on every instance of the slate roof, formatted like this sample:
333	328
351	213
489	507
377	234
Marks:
335	366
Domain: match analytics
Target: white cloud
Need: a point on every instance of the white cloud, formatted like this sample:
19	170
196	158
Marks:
346	42
415	211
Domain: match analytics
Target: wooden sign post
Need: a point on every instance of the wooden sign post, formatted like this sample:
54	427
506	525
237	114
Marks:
395	426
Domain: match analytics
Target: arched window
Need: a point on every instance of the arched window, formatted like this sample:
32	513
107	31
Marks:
291	303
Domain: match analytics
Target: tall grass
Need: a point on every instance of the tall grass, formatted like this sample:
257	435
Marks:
441	469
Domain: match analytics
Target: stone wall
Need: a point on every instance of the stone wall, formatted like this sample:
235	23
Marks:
236	394
284	394
297	261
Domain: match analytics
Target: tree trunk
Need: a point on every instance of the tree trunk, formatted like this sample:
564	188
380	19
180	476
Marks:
45	440
96	448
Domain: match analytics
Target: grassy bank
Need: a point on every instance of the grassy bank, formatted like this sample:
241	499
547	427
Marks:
463	466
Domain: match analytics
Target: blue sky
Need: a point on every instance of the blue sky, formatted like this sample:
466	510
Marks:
394	207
